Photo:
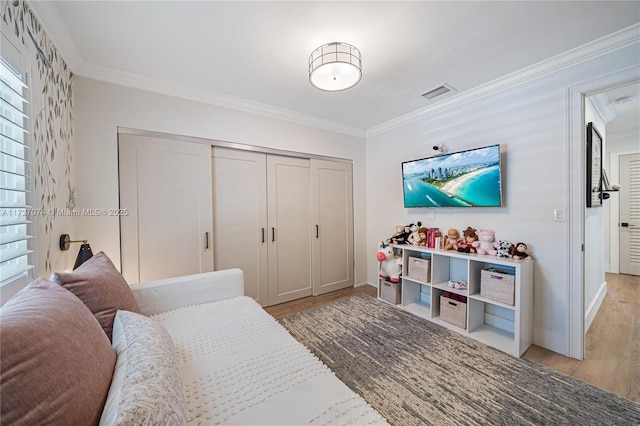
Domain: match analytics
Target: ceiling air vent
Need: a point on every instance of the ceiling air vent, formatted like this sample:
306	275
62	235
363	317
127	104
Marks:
438	91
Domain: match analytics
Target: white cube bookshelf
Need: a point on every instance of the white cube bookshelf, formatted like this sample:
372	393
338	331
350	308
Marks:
508	328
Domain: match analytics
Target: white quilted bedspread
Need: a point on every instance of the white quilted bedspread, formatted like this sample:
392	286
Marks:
239	366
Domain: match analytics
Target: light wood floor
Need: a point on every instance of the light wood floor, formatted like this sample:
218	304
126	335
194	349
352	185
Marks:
284	309
612	353
612	344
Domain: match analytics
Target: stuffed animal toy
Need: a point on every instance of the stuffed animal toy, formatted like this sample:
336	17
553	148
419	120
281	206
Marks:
389	264
466	244
422	237
486	243
504	248
518	252
398	237
401	236
453	238
414	237
407	234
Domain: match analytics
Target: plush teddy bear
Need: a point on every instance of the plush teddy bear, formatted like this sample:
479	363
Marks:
486	243
453	239
504	248
466	243
389	264
422	237
414	237
518	252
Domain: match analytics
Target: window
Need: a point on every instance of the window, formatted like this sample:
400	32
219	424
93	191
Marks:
16	259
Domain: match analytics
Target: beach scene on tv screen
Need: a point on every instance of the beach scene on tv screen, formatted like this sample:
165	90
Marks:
463	179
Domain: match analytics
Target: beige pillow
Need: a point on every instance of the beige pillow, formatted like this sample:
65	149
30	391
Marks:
146	388
101	287
55	361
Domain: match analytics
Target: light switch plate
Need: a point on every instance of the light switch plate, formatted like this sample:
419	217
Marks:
558	215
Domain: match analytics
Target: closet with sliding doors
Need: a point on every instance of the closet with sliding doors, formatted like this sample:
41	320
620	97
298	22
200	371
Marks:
285	220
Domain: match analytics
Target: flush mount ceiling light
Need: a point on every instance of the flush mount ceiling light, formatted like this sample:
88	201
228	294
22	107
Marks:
335	66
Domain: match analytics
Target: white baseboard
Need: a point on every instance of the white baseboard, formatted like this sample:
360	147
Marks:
361	284
549	340
592	310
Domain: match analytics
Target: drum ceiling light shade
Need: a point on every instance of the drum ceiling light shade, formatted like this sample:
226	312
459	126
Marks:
335	66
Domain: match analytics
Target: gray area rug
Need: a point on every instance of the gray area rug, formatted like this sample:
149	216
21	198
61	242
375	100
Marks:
415	372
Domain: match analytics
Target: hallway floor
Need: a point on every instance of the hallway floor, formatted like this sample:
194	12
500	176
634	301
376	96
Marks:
612	355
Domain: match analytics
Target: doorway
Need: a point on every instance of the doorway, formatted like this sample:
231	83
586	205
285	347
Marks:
615	112
622	139
576	216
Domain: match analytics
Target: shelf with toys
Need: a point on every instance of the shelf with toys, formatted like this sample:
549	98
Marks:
482	296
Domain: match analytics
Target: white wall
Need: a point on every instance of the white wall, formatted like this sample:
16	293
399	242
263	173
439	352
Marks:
531	123
595	255
101	107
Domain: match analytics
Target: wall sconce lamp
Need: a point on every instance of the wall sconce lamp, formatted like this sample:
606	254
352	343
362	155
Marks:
84	254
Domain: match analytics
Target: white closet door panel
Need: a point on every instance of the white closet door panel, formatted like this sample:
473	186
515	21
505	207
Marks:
289	215
630	214
240	216
333	218
166	185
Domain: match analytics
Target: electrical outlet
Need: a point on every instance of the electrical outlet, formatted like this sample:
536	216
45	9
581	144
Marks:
558	215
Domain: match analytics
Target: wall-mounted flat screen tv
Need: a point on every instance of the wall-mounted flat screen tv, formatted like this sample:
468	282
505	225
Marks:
469	178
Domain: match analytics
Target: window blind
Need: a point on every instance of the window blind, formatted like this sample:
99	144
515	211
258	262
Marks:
15	254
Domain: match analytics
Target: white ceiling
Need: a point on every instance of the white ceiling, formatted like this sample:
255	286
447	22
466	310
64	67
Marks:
257	52
626	114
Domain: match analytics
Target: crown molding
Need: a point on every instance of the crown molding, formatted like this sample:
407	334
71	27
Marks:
137	81
604	45
57	31
603	106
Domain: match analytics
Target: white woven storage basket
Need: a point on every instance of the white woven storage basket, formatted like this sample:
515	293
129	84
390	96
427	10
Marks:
419	269
453	312
390	291
498	286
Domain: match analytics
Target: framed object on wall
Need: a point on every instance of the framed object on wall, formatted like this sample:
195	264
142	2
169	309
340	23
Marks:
594	167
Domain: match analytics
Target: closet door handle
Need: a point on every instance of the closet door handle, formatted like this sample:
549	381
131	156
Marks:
206	241
262	235
317	232
273	235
